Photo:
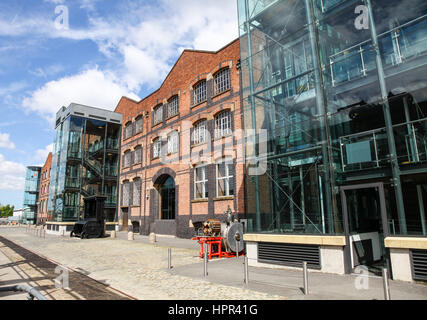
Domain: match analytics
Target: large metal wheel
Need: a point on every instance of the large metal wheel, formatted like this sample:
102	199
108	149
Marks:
234	237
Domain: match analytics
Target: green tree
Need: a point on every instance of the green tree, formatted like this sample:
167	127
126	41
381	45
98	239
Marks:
6	211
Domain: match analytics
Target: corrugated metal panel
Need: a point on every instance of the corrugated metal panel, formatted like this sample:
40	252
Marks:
292	255
419	264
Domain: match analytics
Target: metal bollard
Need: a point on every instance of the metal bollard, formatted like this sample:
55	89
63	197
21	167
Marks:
386	285
205	260
237	249
169	258
305	275
246	269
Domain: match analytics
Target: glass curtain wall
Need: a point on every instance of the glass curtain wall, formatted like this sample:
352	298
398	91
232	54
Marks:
31	194
85	163
330	110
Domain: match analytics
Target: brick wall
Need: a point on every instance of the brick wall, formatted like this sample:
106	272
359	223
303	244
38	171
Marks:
192	67
44	190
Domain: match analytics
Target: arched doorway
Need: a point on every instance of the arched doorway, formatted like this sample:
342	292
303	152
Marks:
166	189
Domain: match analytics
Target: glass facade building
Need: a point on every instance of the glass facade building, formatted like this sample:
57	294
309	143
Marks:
85	162
335	93
31	195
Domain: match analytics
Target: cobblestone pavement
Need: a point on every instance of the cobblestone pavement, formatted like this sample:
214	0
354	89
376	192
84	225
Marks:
138	269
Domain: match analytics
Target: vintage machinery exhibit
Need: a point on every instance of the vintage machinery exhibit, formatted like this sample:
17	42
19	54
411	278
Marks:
224	238
93	224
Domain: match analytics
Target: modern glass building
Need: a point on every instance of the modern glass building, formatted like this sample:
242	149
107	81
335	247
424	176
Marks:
85	162
336	92
31	195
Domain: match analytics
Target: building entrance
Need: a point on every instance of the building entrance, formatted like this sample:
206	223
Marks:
365	223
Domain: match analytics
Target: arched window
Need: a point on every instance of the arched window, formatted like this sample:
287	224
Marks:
223	124
173	142
158	114
222	81
139	124
157	148
199	92
200	132
173	106
136	198
128	130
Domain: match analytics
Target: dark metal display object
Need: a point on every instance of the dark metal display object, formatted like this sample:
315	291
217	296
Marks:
32	293
93	225
226	236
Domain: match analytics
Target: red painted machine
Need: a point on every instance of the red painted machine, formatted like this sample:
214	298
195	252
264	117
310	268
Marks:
224	239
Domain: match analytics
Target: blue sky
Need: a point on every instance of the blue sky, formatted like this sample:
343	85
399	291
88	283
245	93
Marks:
107	49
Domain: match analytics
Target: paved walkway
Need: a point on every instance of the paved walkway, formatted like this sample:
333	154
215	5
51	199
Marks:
140	269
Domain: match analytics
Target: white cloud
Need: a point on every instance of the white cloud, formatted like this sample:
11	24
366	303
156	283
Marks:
41	154
142	42
5	141
91	87
12	175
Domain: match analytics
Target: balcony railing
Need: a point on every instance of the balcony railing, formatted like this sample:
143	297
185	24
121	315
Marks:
72	182
370	149
397	46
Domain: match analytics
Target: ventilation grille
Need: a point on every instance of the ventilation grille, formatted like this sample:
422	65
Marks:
292	255
419	264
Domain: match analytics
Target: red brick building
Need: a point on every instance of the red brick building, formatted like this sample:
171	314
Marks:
42	208
182	161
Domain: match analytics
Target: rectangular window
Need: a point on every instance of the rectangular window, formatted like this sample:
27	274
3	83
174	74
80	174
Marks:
225	179
199	133
222	81
201	183
173	106
136	192
223	124
157	146
173	139
158	114
199	92
126	193
127	159
139	123
128	130
138	155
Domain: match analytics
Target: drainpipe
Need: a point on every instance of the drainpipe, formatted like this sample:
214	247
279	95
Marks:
388	123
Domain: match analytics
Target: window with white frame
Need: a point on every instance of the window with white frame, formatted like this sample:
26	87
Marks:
128	130
138	154
199	132
223	124
201	182
157	147
158	114
173	139
224	178
173	106
138	125
199	92
136	198
222	81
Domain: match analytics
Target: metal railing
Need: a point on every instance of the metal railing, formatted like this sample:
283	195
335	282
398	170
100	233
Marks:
32	293
369	149
397	45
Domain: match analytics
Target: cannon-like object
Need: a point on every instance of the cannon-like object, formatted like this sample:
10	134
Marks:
93	225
